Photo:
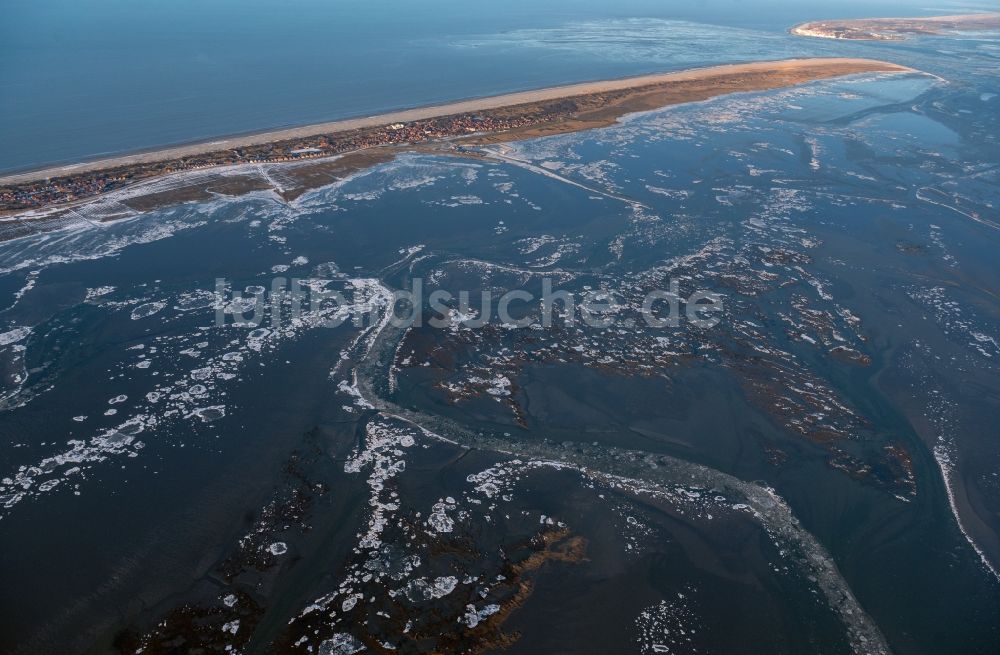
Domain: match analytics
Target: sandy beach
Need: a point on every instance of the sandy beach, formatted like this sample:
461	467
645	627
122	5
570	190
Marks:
896	29
786	72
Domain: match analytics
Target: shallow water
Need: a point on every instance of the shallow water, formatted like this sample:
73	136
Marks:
153	459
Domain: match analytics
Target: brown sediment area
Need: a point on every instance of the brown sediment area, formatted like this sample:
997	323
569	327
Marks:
435	631
551	546
230	186
896	29
362	142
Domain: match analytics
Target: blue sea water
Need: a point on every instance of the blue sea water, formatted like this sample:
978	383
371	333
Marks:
146	450
82	80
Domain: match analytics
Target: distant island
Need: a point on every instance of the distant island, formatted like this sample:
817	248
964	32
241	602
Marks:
895	29
343	146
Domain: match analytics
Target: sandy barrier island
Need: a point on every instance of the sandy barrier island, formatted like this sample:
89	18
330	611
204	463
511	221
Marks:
371	139
896	29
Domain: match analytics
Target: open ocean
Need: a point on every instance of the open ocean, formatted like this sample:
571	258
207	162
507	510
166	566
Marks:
784	482
84	80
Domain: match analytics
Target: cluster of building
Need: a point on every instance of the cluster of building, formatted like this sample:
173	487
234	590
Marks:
78	186
823	31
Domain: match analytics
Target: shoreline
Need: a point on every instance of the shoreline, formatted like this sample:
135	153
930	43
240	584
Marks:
511	116
485	103
894	29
